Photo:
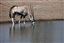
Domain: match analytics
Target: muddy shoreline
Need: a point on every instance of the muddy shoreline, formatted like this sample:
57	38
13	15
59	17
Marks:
34	20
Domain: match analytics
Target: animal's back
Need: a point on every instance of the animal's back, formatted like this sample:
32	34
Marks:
18	9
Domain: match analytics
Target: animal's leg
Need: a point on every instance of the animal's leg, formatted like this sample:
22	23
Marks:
12	21
20	20
24	21
19	23
13	18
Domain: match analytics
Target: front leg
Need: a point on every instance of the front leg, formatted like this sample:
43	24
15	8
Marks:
19	24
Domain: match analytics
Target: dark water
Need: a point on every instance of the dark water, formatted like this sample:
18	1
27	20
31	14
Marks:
41	32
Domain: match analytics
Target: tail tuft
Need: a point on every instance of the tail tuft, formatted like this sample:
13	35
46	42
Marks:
10	10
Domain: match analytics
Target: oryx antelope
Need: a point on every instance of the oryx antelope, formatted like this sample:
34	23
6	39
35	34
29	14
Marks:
21	11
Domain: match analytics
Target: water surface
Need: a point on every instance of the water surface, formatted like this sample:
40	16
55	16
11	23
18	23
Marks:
40	32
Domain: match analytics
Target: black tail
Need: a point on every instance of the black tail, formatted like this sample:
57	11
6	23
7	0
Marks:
11	10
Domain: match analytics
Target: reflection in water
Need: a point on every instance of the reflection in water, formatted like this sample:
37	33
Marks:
40	32
21	33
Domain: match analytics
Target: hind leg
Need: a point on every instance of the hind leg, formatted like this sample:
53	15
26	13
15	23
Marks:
12	22
13	19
